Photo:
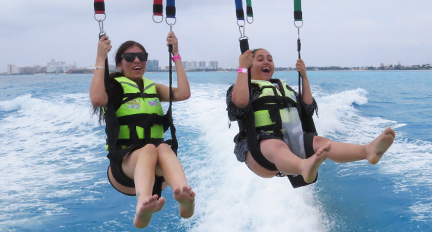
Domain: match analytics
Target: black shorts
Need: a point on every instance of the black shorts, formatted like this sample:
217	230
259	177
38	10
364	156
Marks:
121	178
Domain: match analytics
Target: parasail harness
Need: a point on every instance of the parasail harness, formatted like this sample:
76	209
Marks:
116	151
307	123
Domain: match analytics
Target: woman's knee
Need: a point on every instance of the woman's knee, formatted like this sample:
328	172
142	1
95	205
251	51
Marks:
271	147
163	148
147	150
319	141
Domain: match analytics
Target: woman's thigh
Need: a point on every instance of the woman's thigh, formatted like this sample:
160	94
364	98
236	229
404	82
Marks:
130	160
269	148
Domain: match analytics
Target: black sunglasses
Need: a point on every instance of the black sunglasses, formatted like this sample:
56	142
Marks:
130	57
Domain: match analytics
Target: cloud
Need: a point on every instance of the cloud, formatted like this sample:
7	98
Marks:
335	32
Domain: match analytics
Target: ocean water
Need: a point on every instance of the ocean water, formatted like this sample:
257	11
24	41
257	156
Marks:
53	163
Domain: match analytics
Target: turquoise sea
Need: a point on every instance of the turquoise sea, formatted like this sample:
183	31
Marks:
53	163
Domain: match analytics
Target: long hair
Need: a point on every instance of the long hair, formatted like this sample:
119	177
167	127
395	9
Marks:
99	111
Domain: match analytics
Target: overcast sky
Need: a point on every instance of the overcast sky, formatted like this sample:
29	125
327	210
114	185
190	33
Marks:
335	32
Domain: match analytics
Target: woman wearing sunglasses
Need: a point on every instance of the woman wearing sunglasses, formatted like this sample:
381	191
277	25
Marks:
141	163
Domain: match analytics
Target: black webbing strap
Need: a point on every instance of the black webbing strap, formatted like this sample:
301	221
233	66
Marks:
252	139
254	144
112	126
99	6
133	135
157	187
170	9
298	181
173	142
299	75
168	120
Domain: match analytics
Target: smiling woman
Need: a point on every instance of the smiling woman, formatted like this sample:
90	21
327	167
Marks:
140	160
132	61
274	139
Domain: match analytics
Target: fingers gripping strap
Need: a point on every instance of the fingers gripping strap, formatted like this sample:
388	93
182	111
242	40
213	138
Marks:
99	7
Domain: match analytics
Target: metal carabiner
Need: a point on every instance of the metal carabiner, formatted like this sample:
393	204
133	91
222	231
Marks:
104	17
100	21
298	26
154	20
242	31
242	28
170	24
238	22
251	19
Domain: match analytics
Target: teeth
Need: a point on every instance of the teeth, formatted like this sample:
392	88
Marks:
136	68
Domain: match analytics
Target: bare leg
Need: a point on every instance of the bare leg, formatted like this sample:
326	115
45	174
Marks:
174	174
346	152
277	152
140	166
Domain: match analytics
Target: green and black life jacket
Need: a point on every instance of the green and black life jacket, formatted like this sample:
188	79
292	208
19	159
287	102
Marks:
268	107
266	115
139	119
140	114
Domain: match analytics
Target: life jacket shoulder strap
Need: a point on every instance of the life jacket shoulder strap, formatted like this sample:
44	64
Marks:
269	103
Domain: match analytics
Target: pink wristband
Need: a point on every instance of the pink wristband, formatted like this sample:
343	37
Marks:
242	70
176	57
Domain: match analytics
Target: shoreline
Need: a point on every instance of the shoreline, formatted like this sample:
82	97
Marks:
311	69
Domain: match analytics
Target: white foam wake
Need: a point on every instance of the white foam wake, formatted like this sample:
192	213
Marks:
229	196
45	156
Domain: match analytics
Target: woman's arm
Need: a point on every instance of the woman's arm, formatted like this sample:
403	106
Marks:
182	92
307	93
98	95
240	93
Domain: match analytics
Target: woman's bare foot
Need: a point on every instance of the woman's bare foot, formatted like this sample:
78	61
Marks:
379	146
186	199
145	210
311	165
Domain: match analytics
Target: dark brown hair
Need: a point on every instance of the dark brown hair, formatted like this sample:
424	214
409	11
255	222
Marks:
118	59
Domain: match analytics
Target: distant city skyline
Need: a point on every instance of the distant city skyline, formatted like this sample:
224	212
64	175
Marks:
54	66
153	65
334	33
